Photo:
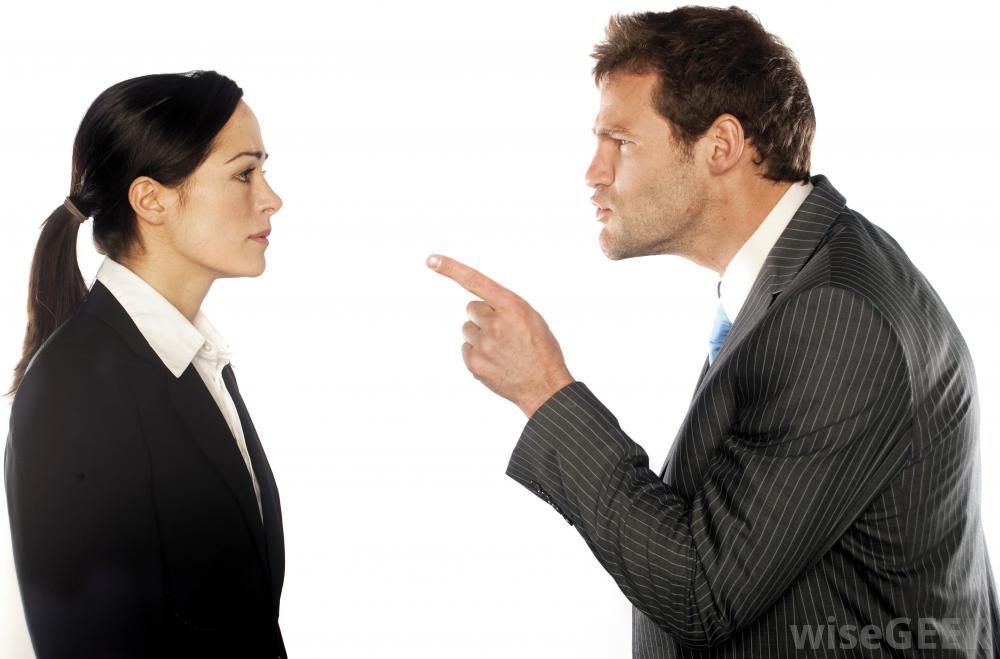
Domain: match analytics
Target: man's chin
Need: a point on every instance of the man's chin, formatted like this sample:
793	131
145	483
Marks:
611	248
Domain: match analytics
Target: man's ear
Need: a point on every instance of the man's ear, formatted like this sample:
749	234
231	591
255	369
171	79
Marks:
150	200
726	143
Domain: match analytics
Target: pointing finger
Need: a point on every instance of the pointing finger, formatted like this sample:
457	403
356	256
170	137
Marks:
470	279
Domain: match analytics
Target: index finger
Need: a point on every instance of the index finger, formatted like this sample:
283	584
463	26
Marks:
470	279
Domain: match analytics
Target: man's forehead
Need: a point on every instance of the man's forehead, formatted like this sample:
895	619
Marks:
619	116
626	101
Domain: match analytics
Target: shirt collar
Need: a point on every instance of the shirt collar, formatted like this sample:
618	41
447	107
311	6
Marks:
738	278
174	339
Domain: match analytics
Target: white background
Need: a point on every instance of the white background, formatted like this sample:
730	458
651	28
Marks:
397	130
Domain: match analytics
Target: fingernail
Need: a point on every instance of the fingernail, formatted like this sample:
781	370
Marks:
433	262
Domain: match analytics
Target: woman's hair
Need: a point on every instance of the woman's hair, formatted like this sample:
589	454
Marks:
162	126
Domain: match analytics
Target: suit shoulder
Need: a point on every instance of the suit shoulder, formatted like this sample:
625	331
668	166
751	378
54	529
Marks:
866	259
82	360
861	257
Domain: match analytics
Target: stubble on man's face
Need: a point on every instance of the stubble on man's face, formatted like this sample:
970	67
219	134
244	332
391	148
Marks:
645	180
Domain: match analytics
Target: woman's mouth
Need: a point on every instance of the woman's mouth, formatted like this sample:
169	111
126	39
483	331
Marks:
261	237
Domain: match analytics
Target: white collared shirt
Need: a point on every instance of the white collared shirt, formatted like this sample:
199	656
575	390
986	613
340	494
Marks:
178	343
742	270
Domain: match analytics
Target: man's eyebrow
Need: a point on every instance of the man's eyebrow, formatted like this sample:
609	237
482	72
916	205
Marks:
255	154
608	130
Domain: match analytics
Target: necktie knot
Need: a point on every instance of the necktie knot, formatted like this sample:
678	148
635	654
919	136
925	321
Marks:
720	330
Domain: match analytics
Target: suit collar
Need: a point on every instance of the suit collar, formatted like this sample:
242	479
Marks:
101	304
794	247
802	235
743	267
176	340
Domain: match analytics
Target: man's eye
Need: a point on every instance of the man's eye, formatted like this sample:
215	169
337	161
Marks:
622	143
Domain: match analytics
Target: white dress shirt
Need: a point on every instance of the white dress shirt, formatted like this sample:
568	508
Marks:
742	270
178	343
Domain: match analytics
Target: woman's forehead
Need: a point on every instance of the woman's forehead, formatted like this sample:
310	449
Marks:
240	136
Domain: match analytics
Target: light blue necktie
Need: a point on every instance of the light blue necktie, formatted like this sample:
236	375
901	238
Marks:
720	330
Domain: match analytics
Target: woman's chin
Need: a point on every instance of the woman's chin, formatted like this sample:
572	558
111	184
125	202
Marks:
258	270
245	270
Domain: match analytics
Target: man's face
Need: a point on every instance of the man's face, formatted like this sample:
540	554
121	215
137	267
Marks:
647	191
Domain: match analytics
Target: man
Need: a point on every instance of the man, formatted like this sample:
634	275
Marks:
822	494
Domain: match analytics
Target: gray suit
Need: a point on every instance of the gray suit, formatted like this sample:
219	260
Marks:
825	478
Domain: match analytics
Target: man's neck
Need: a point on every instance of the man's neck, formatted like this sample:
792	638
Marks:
732	219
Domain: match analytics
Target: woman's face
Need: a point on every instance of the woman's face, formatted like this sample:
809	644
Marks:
222	225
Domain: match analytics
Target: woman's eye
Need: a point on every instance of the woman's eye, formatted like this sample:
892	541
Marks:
244	176
622	143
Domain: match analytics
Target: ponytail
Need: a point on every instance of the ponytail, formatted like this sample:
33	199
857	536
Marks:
55	286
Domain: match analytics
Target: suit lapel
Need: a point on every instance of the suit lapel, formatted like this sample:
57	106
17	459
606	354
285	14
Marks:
209	431
796	244
193	403
701	376
273	527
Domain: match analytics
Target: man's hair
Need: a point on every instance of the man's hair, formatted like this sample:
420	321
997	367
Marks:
712	61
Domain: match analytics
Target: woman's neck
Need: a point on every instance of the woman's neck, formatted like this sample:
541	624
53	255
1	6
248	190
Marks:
182	285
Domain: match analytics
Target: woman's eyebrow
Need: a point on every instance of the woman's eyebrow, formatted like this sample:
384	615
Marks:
255	154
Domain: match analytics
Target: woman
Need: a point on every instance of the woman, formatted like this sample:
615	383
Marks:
144	516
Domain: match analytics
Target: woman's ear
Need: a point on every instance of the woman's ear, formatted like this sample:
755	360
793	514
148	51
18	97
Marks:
150	200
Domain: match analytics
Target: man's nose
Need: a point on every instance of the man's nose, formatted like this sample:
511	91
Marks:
600	171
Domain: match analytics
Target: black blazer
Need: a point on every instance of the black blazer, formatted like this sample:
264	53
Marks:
825	478
135	527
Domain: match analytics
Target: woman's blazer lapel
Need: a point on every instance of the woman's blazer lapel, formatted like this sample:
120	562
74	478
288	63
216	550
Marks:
270	503
211	433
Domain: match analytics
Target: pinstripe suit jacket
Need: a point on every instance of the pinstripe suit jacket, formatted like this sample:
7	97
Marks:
825	478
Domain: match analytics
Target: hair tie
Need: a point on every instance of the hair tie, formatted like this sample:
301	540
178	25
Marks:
81	218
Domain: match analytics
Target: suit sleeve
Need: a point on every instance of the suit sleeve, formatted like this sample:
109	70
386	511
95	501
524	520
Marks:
78	497
821	425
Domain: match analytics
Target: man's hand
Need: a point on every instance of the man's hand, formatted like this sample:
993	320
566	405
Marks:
508	347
